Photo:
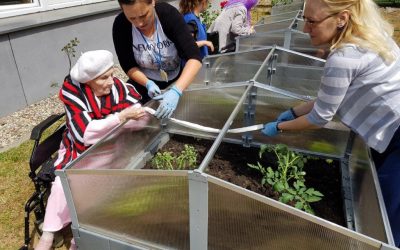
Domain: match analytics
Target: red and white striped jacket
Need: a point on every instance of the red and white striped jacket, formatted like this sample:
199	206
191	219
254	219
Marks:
82	106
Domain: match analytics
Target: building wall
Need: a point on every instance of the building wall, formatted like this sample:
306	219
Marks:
33	66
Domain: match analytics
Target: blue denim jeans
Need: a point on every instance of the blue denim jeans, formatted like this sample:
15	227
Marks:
388	168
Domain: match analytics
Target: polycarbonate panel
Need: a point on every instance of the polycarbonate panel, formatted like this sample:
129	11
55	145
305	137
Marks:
367	212
278	9
209	107
146	206
237	221
260	40
321	141
118	149
233	67
212	107
300	40
296	73
281	25
279	17
200	78
289	39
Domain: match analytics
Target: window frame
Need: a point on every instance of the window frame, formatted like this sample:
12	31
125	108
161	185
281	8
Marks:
41	5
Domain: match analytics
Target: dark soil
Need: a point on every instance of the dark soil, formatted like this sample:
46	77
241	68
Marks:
230	164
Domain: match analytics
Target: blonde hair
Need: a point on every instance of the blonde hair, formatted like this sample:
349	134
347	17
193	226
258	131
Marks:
365	27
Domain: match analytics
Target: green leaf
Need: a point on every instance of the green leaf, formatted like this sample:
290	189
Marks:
313	199
299	205
278	186
286	197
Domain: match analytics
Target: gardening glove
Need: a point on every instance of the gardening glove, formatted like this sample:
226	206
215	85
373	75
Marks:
152	89
271	129
169	102
288	115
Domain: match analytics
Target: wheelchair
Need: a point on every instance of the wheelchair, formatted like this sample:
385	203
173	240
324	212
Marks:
41	163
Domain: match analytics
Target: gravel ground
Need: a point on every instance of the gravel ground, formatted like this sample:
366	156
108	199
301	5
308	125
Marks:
16	128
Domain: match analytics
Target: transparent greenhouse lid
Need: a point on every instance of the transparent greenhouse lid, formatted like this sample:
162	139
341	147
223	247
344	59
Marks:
233	90
279	17
283	79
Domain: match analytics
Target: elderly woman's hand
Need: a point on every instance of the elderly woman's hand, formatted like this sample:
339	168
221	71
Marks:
131	113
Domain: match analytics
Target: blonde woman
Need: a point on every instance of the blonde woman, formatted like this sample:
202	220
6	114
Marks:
361	84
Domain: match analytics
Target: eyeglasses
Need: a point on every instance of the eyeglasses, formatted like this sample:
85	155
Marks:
313	23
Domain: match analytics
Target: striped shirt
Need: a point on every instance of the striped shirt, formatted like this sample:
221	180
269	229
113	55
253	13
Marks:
363	91
82	106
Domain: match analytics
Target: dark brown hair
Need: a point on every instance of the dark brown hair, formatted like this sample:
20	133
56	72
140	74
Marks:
129	2
186	6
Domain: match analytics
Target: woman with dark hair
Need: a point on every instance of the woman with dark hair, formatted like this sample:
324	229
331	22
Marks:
191	10
234	20
151	41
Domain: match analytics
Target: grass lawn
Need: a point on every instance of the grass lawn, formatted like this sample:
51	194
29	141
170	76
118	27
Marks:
15	188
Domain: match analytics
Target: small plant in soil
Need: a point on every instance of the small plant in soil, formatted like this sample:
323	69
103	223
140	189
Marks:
188	158
288	179
168	161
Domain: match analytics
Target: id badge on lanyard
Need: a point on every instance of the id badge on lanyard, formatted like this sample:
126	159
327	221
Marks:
163	73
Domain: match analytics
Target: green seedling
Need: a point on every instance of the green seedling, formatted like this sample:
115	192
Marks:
167	161
163	160
288	179
188	158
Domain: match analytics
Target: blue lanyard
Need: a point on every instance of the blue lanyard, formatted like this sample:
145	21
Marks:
156	56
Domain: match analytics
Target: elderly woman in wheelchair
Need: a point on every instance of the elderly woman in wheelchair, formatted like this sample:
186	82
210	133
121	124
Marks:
95	102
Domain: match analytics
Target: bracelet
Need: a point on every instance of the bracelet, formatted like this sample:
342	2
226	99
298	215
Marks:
293	113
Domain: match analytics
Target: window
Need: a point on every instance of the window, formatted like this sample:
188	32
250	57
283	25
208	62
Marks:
15	2
10	8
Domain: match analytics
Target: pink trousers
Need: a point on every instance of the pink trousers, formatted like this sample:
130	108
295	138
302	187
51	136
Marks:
57	212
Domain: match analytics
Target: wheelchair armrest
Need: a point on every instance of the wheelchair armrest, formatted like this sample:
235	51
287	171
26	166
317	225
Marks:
38	129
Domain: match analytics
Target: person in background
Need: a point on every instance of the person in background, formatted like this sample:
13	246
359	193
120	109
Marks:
95	102
191	10
234	20
360	84
151	41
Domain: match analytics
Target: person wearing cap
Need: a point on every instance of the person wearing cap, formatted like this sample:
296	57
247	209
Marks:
152	41
95	102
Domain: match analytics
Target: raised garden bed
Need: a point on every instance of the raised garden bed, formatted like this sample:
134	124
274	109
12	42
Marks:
230	163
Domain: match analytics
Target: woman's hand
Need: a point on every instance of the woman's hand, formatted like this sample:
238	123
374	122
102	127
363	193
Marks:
131	113
169	102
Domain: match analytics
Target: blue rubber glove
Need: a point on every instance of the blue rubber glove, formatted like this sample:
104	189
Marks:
169	102
270	129
288	115
152	89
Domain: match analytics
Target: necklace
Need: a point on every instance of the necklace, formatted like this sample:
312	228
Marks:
157	56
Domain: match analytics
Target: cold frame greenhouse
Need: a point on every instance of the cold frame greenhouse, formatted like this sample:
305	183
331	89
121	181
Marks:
116	204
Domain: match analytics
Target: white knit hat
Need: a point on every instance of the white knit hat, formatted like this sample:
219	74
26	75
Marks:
91	64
